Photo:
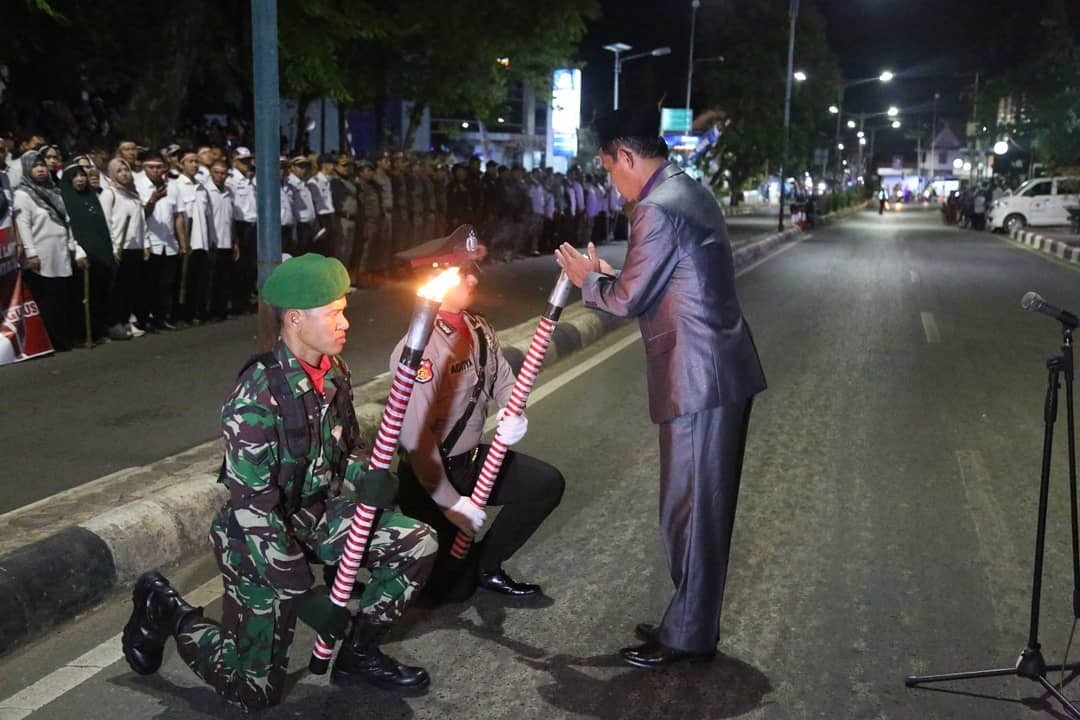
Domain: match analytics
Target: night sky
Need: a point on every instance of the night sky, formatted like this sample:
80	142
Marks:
935	46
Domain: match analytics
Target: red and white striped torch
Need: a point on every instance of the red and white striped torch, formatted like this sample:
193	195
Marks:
428	300
530	368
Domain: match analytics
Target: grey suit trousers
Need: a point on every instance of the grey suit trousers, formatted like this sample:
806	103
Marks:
701	458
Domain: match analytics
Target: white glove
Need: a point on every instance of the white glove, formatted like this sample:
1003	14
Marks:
511	427
467	515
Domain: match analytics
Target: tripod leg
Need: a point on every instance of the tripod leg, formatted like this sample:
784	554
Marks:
914	680
1067	357
1049	416
1065	702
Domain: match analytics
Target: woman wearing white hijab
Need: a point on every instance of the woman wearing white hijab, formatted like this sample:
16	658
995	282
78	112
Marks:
127	225
42	221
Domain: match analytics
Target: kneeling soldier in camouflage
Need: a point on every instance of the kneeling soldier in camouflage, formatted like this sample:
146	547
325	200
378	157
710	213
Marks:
295	469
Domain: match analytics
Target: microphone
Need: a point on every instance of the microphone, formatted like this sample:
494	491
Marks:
1034	302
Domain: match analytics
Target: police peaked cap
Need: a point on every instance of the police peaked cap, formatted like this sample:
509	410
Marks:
304	282
460	246
643	122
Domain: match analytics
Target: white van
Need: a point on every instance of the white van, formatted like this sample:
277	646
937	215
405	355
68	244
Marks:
1039	201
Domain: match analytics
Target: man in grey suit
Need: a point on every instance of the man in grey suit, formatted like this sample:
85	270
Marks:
703	370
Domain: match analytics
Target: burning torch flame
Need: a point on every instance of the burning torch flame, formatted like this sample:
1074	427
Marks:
436	288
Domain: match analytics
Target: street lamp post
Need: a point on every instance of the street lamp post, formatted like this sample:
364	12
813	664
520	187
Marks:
933	139
690	63
619	48
793	13
885	76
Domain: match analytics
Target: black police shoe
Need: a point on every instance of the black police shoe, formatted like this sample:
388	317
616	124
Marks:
158	613
498	581
361	659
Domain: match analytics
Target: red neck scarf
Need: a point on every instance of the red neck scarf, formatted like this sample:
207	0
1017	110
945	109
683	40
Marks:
457	321
317	374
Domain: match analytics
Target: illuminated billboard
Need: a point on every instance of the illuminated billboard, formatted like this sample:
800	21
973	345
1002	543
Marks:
565	111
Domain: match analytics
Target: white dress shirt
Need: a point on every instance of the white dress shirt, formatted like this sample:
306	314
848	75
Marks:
221	213
303	204
161	223
44	238
320	194
195	204
243	190
127	222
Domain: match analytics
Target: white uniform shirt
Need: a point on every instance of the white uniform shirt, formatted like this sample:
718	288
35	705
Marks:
303	204
5	187
14	172
536	198
203	175
594	201
549	203
321	197
44	238
616	202
161	224
444	386
288	217
578	193
221	212
195	204
127	222
243	190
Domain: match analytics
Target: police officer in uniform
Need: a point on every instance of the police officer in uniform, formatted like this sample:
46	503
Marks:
295	469
462	372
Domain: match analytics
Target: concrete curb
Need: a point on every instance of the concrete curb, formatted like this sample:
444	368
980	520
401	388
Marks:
165	508
1058	248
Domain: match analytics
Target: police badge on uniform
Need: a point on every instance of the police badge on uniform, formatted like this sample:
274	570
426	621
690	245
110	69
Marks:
425	373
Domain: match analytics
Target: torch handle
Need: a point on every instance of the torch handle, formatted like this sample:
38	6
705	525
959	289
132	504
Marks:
519	395
363	519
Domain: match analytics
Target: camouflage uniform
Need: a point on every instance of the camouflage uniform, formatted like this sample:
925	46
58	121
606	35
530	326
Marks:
370	218
263	555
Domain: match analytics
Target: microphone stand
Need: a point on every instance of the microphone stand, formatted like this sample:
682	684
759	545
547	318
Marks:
1031	664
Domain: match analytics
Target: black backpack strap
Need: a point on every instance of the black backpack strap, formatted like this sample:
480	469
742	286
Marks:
292	431
452	437
350	426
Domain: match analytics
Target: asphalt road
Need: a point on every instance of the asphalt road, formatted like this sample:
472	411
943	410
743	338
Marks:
885	526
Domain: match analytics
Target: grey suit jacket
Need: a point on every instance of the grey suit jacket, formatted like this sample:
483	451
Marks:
679	281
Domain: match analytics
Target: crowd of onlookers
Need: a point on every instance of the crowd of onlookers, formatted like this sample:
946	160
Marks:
157	240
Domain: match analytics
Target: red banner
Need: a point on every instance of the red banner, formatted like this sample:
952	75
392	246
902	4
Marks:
22	332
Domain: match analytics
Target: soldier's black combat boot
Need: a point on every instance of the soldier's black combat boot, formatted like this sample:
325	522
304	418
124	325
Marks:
361	659
158	614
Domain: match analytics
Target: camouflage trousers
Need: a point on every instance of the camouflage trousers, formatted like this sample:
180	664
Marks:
245	656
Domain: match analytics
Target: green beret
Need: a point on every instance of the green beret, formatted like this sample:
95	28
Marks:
304	282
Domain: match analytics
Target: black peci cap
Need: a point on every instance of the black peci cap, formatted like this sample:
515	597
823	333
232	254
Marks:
643	122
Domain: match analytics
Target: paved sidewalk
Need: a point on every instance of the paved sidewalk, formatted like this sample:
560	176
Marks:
64	554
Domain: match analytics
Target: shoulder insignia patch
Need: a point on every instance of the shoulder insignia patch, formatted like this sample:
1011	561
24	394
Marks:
444	326
425	373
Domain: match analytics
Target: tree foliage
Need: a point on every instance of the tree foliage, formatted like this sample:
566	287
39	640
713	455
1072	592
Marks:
162	65
1043	95
746	92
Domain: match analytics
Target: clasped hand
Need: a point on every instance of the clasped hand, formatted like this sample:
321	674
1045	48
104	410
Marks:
466	515
577	266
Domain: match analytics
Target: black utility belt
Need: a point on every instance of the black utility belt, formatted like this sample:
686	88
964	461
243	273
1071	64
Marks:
455	464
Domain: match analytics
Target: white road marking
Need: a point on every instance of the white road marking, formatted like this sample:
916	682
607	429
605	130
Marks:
914	277
69	676
770	256
929	326
34	697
